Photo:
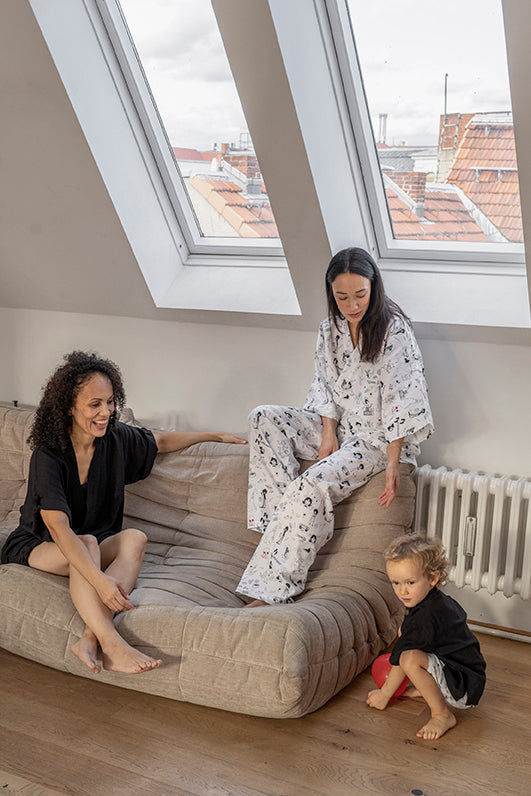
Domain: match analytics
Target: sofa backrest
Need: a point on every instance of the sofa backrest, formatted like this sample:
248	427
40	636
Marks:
15	455
201	492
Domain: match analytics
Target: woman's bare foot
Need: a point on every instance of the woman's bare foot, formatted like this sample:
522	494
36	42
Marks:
121	657
86	650
256	604
437	726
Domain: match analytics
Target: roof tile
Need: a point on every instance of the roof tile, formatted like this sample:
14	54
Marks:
480	170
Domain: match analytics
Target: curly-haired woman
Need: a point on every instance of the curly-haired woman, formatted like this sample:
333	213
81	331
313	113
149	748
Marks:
71	521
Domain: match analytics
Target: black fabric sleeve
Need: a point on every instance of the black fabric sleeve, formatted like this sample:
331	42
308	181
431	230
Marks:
50	481
416	635
140	450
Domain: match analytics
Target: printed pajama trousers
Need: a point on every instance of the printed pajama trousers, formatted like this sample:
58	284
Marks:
295	512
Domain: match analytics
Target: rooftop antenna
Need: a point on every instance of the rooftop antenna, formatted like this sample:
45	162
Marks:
445	93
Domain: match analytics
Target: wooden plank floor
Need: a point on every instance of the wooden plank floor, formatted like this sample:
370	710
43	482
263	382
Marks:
61	734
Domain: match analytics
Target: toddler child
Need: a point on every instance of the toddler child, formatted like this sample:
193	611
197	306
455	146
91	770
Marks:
436	650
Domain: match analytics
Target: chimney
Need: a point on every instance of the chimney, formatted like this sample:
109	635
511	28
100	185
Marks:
254	186
414	184
451	131
382	132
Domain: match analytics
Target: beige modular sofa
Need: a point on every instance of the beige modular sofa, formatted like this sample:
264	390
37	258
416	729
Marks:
276	661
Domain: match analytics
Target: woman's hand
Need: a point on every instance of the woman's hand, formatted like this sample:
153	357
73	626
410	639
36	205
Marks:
111	593
392	482
392	472
232	438
329	444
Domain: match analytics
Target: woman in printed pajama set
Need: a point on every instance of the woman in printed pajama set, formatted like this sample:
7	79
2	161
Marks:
366	411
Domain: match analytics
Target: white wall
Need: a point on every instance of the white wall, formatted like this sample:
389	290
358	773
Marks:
208	376
479	395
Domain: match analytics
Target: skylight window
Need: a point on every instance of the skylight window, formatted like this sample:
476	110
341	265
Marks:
184	62
437	88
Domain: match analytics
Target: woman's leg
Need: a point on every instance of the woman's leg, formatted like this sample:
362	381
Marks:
304	522
120	557
123	549
277	436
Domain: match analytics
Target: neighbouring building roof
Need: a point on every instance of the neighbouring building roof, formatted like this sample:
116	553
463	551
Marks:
250	217
484	167
476	198
407	158
185	153
443	216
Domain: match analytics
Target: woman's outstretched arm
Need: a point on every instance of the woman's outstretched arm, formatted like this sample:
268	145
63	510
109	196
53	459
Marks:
168	441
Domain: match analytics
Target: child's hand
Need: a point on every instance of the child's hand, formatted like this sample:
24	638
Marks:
375	699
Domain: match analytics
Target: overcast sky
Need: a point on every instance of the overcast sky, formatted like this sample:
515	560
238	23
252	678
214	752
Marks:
405	49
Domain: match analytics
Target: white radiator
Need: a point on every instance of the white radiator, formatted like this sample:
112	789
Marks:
484	523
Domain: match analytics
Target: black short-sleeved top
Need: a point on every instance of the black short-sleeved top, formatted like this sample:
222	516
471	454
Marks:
124	455
438	624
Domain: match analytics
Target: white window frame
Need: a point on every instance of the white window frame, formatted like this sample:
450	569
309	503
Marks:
457	254
153	125
457	284
182	269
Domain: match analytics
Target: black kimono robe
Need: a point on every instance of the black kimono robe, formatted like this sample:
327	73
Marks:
124	455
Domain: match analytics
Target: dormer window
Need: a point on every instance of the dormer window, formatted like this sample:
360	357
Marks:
440	97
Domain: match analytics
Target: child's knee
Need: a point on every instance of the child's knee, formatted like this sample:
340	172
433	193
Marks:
413	659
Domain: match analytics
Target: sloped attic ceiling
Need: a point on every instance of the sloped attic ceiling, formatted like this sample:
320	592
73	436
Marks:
62	246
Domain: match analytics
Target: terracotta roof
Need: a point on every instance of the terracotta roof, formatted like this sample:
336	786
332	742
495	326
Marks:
185	153
250	219
445	218
484	168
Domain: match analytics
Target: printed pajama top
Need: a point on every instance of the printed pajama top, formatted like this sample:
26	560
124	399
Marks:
378	401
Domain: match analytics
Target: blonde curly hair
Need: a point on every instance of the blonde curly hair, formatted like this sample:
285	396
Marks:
430	554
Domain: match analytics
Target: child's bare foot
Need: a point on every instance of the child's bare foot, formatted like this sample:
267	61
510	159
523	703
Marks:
256	604
411	692
437	726
375	699
121	657
86	650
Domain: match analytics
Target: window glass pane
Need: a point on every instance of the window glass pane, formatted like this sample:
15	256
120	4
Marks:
182	55
437	86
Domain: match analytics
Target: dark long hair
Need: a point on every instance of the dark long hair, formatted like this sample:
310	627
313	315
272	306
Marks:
53	421
381	309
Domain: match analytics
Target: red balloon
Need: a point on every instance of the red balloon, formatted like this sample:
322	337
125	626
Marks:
380	669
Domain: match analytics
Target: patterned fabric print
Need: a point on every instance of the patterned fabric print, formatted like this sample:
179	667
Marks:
296	513
277	436
436	669
378	402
